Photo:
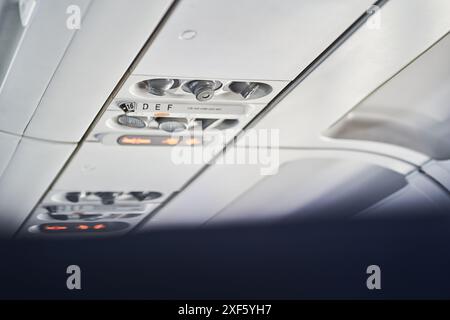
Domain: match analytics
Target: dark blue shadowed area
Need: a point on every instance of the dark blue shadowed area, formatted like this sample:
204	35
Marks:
326	259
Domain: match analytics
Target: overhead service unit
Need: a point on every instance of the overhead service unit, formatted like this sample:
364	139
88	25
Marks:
192	85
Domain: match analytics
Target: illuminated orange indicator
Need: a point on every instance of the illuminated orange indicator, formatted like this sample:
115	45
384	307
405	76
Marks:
82	227
192	141
134	140
99	226
55	228
171	141
162	114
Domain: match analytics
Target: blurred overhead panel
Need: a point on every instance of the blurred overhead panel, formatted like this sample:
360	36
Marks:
411	110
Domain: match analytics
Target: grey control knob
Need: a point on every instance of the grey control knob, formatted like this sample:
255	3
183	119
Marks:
203	90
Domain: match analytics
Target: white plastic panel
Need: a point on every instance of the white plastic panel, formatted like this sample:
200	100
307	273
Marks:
110	37
312	189
98	167
439	171
11	35
41	49
367	59
411	110
31	170
421	198
250	39
210	197
8	144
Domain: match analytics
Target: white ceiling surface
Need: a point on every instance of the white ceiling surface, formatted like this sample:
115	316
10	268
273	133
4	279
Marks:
29	173
359	66
43	46
351	189
8	144
252	39
99	167
349	186
422	88
221	184
111	35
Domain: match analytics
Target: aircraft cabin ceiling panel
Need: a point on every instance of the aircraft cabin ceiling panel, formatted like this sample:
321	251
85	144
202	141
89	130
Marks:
99	167
411	110
8	144
244	176
36	56
99	55
360	65
265	40
421	198
352	189
193	75
440	171
296	192
33	167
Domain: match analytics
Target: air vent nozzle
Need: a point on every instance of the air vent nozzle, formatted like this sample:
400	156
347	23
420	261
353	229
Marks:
250	90
159	87
203	90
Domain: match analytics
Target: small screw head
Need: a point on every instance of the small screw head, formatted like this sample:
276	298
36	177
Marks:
188	35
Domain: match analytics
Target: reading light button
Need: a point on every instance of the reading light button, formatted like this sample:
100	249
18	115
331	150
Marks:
131	122
172	124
